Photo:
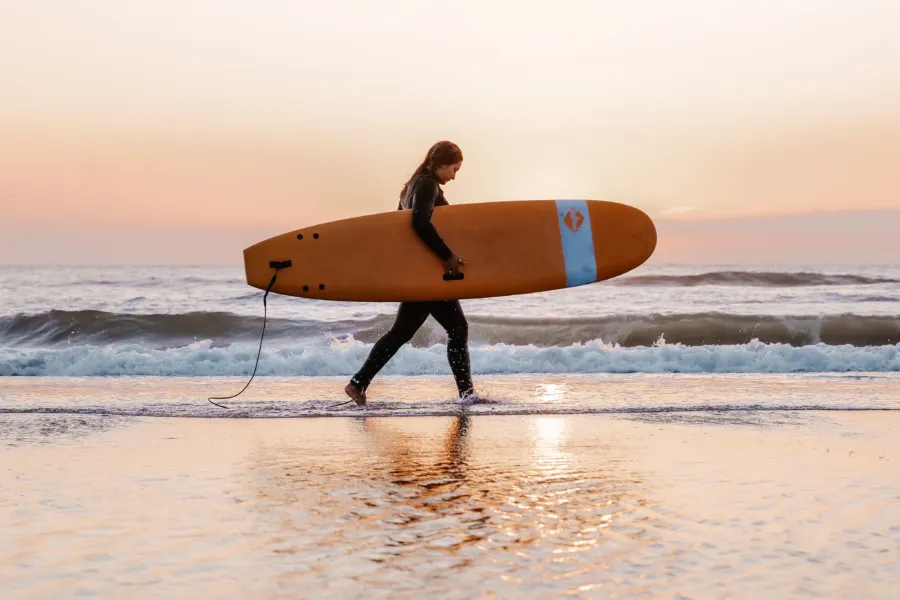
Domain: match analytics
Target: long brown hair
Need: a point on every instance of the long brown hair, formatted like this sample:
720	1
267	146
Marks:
440	154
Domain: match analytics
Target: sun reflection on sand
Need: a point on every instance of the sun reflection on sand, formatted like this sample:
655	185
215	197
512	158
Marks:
493	497
549	435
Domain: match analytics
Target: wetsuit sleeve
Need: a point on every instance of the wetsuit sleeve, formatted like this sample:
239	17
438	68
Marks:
424	195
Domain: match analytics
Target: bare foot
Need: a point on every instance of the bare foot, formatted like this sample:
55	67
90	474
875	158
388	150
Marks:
474	398
358	395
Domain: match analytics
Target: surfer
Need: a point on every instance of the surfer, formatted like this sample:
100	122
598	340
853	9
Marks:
420	194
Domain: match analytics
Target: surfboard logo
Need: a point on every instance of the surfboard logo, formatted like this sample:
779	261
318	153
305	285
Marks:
573	219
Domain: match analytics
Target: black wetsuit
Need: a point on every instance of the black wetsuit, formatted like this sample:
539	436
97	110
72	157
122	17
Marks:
423	195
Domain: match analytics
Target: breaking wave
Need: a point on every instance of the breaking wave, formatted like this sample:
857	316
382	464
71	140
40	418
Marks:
58	328
342	358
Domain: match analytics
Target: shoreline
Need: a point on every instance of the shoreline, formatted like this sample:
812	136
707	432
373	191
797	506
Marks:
433	395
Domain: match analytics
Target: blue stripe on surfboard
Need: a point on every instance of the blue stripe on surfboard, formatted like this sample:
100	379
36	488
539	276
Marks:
577	241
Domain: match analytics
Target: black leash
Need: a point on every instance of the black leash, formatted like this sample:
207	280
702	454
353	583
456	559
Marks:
277	265
342	403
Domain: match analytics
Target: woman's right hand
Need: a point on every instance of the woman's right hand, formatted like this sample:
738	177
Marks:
452	264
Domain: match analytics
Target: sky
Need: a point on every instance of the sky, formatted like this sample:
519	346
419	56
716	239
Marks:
166	131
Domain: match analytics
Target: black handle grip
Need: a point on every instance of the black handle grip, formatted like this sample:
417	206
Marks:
453	276
280	264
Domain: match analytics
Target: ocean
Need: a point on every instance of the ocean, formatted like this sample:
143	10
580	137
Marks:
179	321
704	431
198	323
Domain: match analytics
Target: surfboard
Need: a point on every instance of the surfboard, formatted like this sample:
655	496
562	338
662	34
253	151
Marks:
509	248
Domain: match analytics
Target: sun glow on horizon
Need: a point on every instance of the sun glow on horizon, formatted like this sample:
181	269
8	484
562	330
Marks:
202	114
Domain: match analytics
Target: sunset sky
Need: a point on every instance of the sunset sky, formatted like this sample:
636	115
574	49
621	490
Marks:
208	125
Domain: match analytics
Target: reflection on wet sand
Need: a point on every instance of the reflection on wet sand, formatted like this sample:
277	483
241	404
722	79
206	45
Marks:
17	430
456	500
453	507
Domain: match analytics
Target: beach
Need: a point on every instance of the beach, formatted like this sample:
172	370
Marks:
706	431
789	489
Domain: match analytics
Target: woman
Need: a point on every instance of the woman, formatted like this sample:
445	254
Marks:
420	194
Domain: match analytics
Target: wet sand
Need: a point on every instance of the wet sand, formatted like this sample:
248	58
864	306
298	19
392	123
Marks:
696	504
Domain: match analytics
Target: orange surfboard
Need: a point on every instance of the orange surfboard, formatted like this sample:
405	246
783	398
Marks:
513	247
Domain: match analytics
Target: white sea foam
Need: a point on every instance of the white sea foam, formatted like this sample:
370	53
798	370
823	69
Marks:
204	359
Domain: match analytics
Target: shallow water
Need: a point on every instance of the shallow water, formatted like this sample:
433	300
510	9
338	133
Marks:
763	500
305	397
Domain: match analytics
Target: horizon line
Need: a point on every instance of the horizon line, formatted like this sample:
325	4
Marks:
684	218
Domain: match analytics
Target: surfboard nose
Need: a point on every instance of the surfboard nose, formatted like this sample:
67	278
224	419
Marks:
644	230
624	237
